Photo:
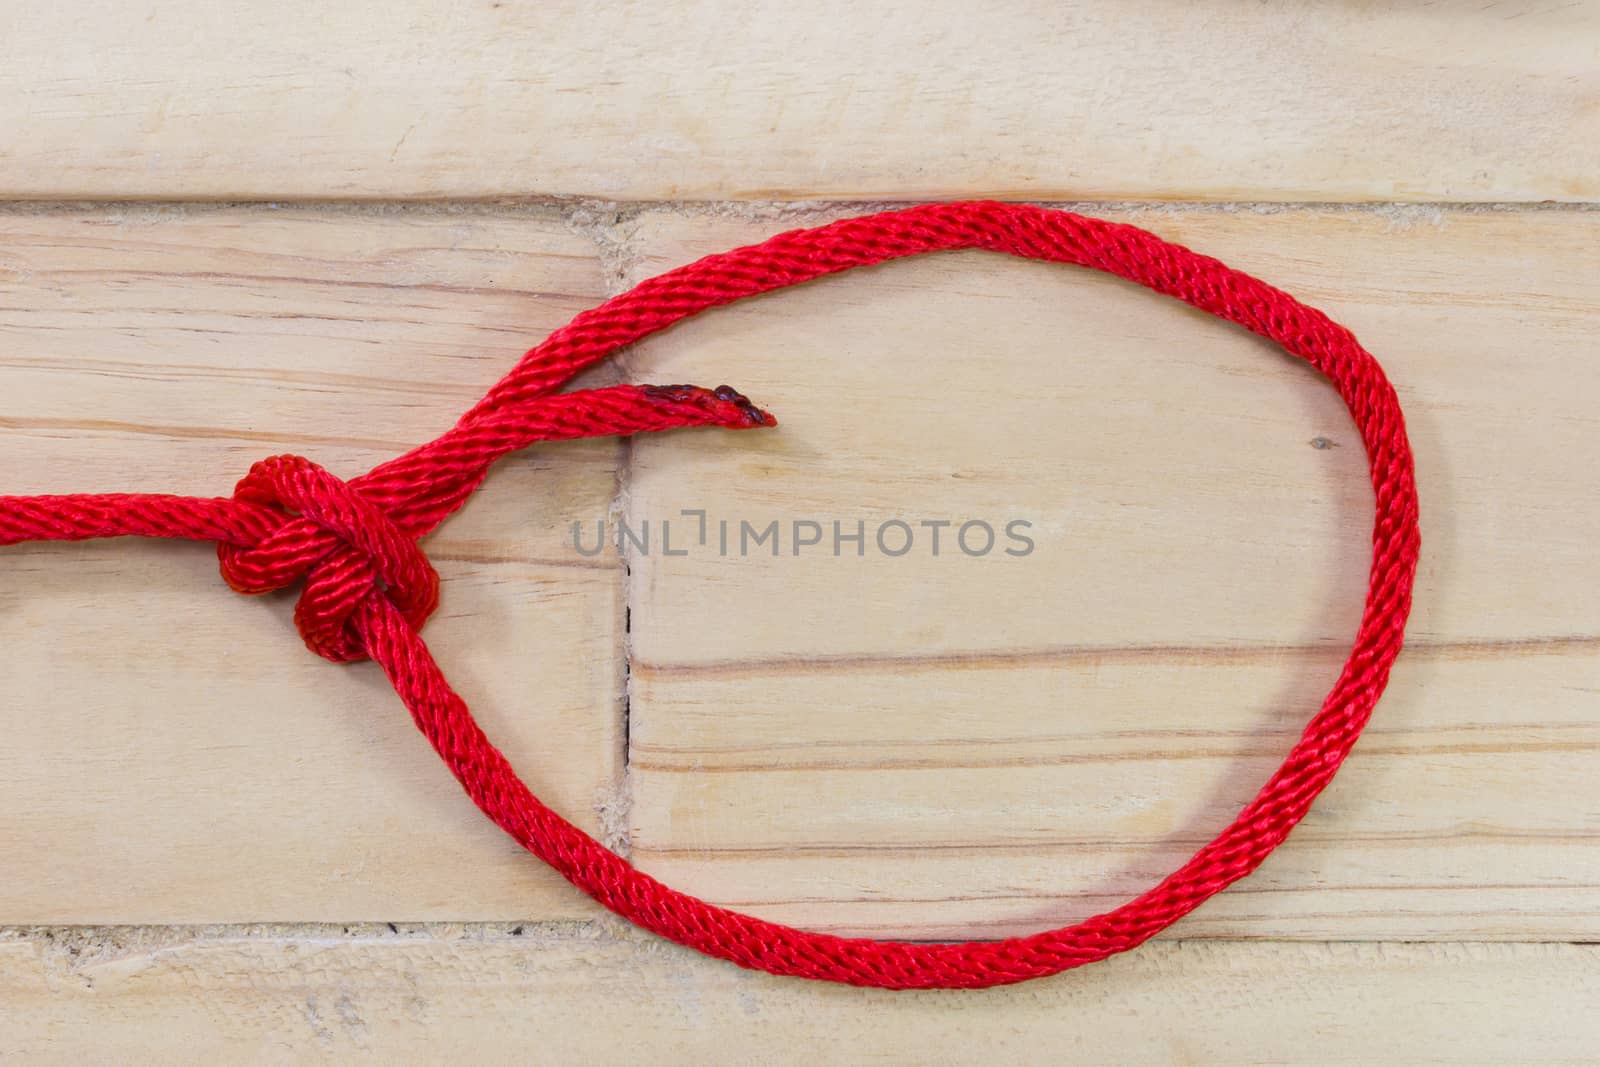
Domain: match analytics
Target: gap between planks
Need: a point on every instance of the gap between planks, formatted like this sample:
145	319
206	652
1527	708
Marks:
590	209
80	946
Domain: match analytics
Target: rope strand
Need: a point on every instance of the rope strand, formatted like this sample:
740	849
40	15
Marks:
368	589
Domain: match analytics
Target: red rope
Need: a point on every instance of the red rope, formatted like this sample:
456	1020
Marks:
368	588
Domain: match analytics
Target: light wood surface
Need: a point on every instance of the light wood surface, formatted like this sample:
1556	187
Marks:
218	848
588	994
910	99
174	753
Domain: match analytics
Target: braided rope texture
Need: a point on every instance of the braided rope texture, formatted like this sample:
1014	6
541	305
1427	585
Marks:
367	588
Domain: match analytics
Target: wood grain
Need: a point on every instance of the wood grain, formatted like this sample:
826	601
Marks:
624	100
173	754
590	996
930	746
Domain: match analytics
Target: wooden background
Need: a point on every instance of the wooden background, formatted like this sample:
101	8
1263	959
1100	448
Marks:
235	229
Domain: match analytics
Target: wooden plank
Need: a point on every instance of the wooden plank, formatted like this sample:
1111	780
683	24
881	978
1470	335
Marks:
936	746
491	998
172	754
231	99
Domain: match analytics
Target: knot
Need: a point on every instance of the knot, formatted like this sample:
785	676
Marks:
341	544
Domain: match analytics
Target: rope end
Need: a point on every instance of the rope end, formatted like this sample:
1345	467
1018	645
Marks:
752	415
727	406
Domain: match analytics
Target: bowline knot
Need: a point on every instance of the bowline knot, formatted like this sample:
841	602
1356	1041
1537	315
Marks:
345	548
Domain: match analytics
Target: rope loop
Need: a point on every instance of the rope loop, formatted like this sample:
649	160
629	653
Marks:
368	587
344	547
